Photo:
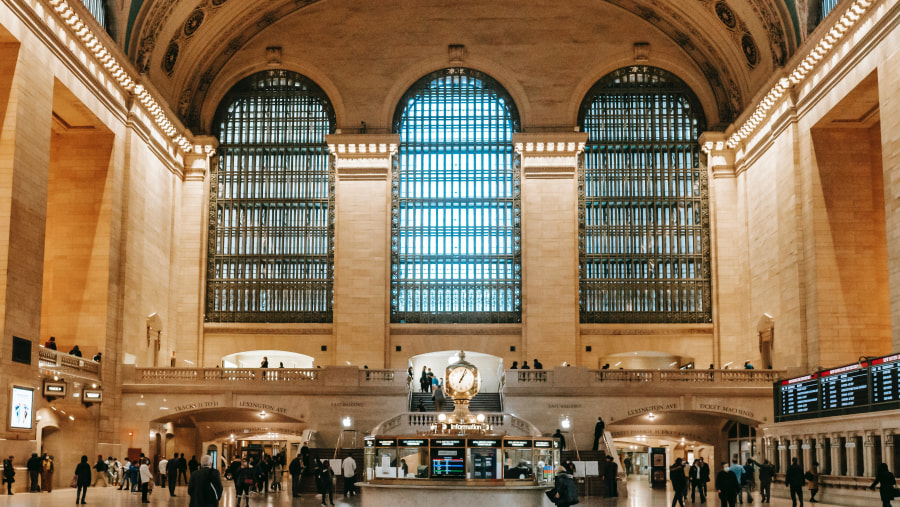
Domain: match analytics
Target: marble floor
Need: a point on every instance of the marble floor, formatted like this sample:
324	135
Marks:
639	495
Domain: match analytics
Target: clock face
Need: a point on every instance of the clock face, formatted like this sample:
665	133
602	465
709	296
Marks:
461	379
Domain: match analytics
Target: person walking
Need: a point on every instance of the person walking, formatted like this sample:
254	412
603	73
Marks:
558	436
193	464
749	477
277	471
886	480
172	472
439	399
727	486
694	474
101	468
205	487
766	474
599	428
161	470
9	474
146	478
348	470
47	473
705	474
83	479
812	481
738	471
325	481
182	469
295	469
33	465
794	480
679	482
243	481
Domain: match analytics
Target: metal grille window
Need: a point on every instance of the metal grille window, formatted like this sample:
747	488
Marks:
826	6
644	241
97	9
455	240
271	237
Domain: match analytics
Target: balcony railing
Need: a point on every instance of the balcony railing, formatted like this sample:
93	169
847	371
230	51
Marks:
54	359
417	423
266	376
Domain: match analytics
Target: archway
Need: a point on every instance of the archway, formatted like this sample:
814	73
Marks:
276	358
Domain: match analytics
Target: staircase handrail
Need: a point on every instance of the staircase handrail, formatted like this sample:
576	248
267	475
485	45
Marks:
610	446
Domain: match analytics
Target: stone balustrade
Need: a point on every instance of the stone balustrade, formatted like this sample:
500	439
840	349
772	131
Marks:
67	363
420	423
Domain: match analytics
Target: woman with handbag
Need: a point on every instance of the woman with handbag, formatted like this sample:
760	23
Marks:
82	479
887	481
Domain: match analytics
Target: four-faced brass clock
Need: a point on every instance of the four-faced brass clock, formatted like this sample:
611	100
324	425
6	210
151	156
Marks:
462	379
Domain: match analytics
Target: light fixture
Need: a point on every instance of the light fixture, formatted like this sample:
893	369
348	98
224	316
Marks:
263	414
651	416
442	417
565	423
347	422
480	418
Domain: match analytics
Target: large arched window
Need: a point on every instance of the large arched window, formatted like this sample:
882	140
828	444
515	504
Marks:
97	9
271	237
644	245
455	240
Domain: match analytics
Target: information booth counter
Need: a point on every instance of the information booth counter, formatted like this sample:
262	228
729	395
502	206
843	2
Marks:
509	459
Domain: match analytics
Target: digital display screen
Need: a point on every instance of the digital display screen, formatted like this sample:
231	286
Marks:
448	463
413	442
517	443
543	444
886	379
447	442
474	442
845	388
798	398
21	408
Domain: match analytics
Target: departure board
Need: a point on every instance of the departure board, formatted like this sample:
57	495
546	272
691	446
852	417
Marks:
798	398
886	379
845	389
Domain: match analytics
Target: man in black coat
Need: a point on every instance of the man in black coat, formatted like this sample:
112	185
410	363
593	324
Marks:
727	486
609	475
794	480
679	482
182	469
766	473
172	473
599	428
704	476
295	469
34	471
205	486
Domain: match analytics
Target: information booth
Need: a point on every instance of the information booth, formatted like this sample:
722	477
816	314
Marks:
484	458
425	459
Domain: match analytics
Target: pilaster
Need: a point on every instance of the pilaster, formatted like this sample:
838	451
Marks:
869	454
783	456
730	343
362	235
550	245
836	451
887	449
806	447
850	449
193	224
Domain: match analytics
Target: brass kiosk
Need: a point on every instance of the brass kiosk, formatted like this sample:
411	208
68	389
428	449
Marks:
458	457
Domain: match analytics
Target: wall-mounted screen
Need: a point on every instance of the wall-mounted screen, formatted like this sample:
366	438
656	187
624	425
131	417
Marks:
21	408
448	463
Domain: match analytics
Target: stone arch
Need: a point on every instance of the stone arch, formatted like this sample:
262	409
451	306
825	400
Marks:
408	77
213	96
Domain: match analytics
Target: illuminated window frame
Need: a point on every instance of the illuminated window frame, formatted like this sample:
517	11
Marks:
644	227
455	217
97	8
271	232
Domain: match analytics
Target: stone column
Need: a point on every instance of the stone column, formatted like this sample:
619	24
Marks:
850	449
25	147
807	450
362	236
794	447
821	452
887	449
783	456
550	210
729	316
193	229
869	454
836	451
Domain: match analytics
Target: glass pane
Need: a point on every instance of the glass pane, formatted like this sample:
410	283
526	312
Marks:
97	8
455	217
271	240
644	246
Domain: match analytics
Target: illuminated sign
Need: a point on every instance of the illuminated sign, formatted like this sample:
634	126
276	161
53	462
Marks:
543	444
484	443
21	408
517	443
413	442
447	442
386	442
92	395
55	389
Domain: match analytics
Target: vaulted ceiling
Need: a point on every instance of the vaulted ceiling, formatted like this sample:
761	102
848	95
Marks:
184	46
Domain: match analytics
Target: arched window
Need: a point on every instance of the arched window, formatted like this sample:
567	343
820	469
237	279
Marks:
97	9
644	246
271	236
455	240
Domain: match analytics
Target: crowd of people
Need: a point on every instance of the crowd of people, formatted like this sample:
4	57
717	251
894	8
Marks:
75	351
